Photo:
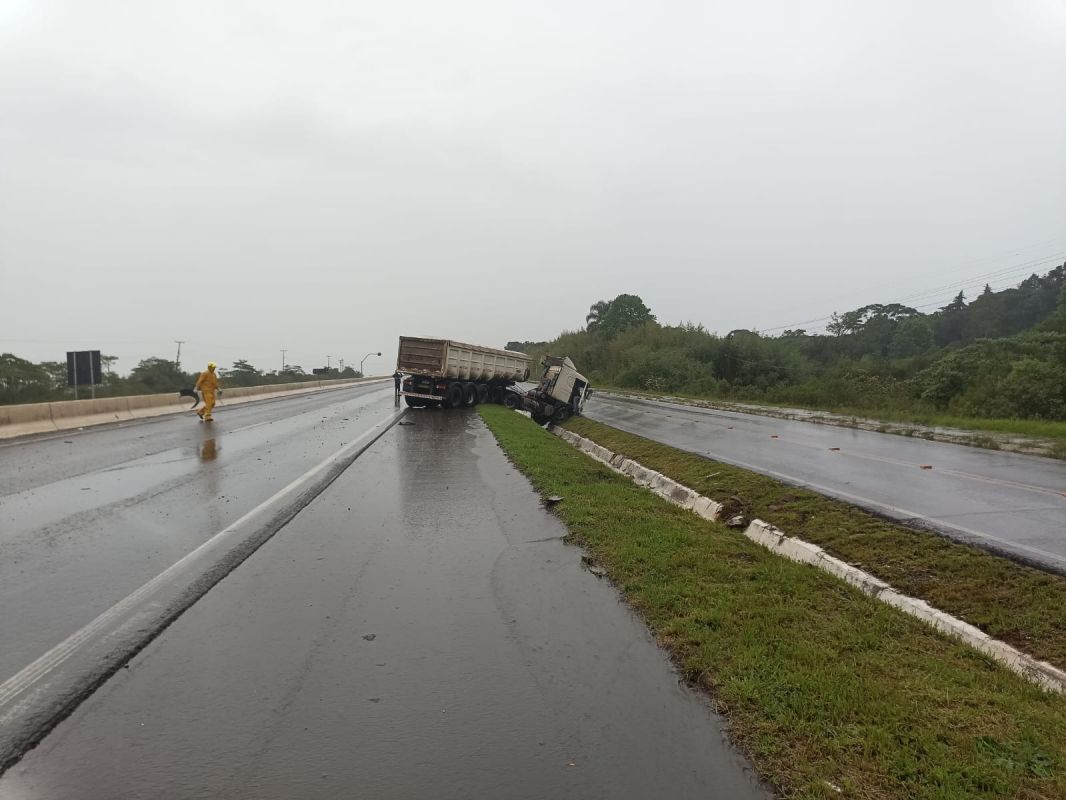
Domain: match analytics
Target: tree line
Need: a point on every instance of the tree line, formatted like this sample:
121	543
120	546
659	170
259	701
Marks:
23	381
1003	354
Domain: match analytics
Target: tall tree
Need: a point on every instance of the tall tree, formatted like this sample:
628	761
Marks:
158	375
951	319
597	311
243	374
22	381
625	311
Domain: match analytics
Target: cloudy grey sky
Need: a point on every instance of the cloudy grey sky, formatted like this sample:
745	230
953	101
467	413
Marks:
324	176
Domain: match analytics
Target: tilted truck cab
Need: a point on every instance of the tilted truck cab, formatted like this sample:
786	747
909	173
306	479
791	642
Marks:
560	394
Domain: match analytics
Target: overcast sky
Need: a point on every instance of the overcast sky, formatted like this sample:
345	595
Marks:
324	176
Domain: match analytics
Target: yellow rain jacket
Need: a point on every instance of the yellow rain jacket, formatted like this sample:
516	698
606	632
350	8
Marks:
208	384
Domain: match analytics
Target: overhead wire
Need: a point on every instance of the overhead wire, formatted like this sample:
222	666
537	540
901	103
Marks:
960	265
974	280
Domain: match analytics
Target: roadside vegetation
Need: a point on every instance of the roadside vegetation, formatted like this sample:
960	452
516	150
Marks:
832	693
996	363
1023	606
22	381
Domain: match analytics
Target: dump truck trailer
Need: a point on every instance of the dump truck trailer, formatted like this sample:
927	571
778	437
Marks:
441	372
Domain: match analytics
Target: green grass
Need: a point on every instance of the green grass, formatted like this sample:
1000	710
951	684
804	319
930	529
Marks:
1039	429
819	682
1021	605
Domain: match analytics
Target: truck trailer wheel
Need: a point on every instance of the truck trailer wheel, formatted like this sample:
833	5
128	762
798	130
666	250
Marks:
414	402
469	395
453	398
482	393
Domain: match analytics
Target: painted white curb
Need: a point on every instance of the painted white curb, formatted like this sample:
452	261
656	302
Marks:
1039	672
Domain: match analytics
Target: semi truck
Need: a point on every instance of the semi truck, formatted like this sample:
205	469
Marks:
560	394
448	374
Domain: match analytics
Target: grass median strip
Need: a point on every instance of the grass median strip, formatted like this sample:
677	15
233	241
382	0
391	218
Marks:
823	685
1019	605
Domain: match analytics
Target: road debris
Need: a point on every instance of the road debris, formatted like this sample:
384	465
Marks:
593	567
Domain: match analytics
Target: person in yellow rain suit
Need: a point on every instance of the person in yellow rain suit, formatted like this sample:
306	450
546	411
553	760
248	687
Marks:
207	383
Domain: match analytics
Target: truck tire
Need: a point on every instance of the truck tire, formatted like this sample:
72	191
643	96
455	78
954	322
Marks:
561	414
453	397
510	400
414	402
469	395
496	395
482	393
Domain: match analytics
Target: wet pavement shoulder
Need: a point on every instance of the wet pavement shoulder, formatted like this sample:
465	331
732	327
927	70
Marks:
420	630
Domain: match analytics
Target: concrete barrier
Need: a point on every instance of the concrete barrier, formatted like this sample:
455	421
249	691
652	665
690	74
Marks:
27	418
778	542
30	418
79	413
153	405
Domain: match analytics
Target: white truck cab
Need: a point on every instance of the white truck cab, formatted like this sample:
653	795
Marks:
563	383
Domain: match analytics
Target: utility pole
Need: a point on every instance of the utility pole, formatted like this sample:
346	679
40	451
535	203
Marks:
283	352
327	361
341	362
177	359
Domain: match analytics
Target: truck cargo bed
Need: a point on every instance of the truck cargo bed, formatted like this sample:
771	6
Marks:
444	358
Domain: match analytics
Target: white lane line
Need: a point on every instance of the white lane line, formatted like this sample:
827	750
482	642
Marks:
897	512
33	438
62	651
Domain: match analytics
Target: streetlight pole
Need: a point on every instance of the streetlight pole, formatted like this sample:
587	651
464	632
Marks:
361	372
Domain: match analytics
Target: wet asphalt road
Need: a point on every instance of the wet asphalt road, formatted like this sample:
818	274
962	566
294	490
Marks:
419	630
1010	503
88	516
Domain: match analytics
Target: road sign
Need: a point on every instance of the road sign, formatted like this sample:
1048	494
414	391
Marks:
83	369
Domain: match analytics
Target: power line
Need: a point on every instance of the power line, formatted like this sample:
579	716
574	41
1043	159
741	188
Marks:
1000	274
957	266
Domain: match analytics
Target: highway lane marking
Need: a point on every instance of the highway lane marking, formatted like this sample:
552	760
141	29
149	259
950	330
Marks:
898	512
1003	511
904	513
63	649
123	424
911	464
146	461
133	615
